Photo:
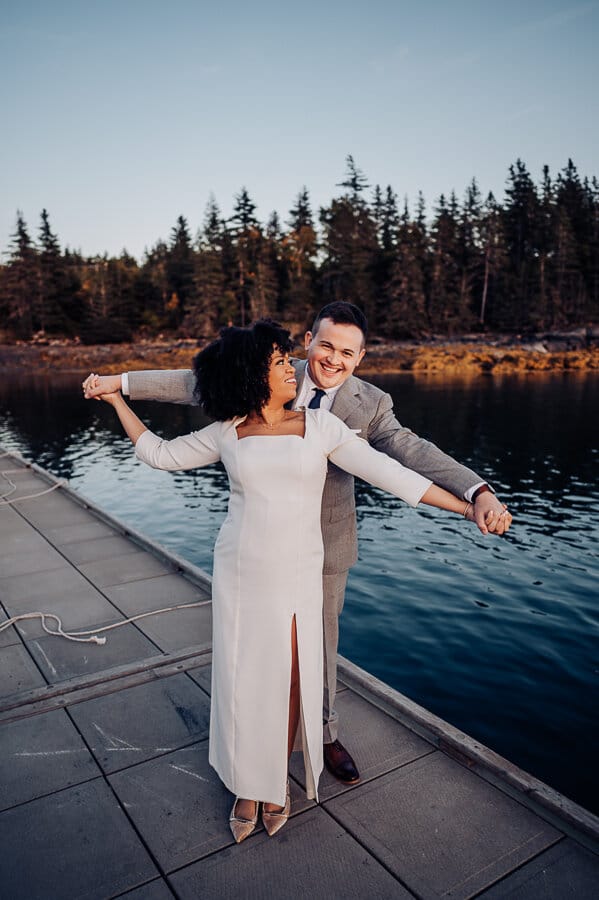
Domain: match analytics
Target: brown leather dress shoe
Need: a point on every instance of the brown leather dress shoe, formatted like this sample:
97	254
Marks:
339	763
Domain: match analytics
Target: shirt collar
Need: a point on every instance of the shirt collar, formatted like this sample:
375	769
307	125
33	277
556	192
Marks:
308	385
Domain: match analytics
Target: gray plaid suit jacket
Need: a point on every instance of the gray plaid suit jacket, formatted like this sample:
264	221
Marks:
364	408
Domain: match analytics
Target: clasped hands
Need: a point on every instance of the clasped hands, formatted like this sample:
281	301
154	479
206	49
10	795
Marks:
490	515
101	387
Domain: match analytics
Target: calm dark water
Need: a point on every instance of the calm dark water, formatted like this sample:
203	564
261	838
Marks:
498	636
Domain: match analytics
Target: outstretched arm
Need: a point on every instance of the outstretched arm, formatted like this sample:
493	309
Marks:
171	386
389	436
189	451
441	499
359	458
132	424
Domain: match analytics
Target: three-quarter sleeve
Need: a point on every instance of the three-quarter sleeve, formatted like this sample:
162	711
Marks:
189	451
355	455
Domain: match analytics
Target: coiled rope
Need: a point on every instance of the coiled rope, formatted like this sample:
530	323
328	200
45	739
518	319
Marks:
83	637
6	499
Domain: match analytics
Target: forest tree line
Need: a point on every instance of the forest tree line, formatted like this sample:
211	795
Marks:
524	264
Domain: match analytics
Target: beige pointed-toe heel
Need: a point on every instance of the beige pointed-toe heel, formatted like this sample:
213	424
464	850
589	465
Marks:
274	821
242	828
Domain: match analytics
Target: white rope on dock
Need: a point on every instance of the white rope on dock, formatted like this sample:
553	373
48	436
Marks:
81	636
5	498
84	637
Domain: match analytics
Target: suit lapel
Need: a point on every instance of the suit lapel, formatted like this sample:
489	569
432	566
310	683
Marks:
346	398
300	371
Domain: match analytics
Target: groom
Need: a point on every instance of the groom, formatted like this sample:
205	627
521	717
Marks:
335	347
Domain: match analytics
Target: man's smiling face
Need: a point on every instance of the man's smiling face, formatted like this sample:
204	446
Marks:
333	353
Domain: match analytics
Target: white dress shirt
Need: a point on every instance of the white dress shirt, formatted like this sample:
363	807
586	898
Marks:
306	394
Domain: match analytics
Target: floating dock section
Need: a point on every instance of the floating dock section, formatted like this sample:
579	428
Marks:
106	789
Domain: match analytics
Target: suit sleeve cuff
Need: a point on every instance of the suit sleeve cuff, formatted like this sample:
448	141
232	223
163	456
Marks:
469	494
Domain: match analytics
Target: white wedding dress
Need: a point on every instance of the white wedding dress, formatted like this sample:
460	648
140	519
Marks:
267	569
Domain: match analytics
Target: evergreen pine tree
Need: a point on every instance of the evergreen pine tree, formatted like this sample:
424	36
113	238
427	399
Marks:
299	249
545	244
521	216
214	296
355	181
385	217
390	221
470	256
406	285
592	243
494	263
446	313
57	300
180	273
350	247
21	282
253	295
152	289
300	215
244	228
573	262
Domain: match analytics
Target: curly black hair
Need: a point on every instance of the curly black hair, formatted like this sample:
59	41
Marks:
232	372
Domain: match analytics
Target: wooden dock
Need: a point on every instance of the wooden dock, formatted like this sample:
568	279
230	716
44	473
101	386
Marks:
105	787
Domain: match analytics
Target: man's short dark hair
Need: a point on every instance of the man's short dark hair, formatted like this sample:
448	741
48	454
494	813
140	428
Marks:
232	372
342	313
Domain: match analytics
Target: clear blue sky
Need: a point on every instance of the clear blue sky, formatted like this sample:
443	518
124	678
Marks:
119	116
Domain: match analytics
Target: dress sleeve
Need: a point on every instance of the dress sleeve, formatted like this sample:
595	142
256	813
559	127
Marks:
189	451
355	455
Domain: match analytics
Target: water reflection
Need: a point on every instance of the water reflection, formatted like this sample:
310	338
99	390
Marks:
497	636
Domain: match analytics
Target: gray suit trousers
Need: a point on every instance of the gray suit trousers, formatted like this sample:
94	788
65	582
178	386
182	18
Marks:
333	589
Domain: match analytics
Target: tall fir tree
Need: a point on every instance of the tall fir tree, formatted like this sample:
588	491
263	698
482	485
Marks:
58	285
299	248
469	252
244	227
494	254
574	255
406	315
21	282
521	215
180	273
385	217
214	297
447	314
350	246
152	289
545	232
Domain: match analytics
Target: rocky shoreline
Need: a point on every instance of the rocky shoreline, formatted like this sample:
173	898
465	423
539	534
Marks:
470	354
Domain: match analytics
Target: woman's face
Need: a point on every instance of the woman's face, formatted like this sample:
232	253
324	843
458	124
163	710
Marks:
281	378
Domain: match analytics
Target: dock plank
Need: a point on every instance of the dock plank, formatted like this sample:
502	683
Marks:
41	755
18	671
317	859
75	843
119	736
441	828
564	871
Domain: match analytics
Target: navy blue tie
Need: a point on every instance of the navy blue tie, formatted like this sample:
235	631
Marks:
315	401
